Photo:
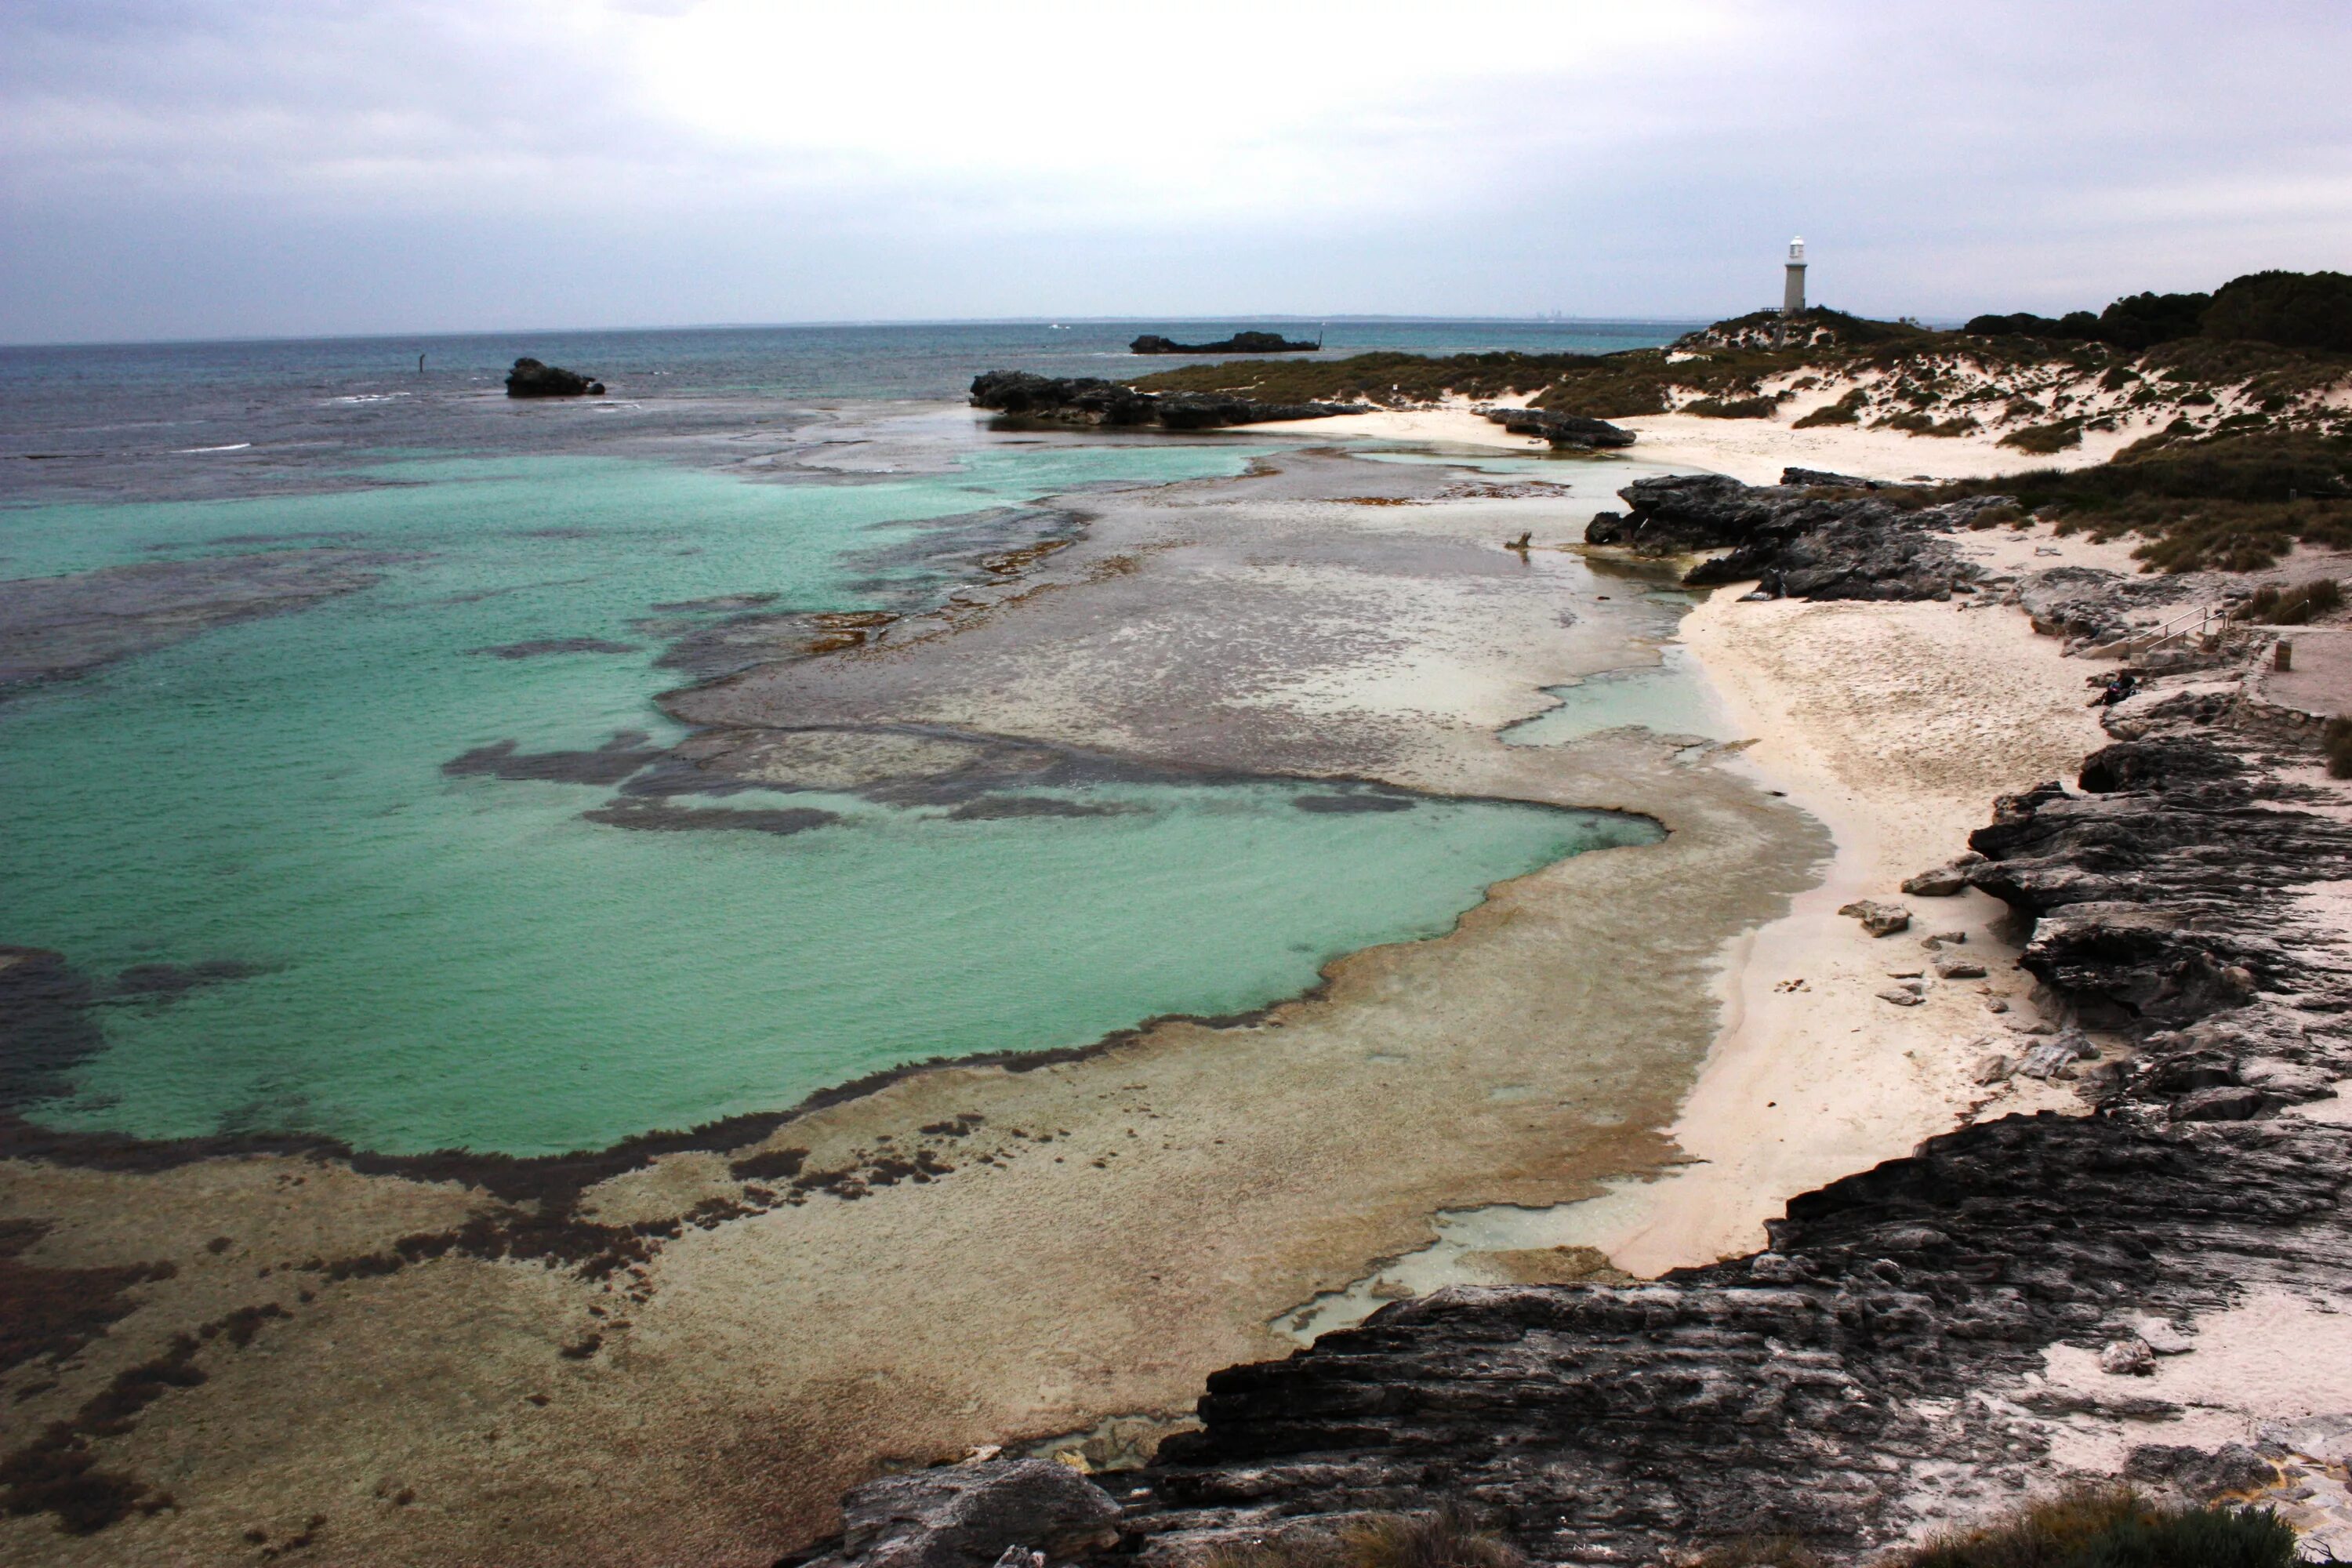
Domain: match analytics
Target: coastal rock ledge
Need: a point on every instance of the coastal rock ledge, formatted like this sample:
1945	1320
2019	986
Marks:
1090	401
1881	1368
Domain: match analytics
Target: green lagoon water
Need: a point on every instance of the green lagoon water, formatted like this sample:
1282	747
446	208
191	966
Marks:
466	961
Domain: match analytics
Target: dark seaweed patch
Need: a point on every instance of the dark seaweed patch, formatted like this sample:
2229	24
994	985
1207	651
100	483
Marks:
609	764
661	816
1363	801
998	807
46	1026
170	981
721	603
771	1165
55	1312
541	647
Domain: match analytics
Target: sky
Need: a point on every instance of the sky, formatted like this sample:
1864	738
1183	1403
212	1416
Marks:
240	168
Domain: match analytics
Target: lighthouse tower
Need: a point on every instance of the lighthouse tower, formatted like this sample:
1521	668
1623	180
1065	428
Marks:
1792	299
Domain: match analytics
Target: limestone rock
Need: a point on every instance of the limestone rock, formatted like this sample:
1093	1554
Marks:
972	1516
1944	881
1877	918
1564	431
1954	966
2223	1102
2197	1474
2127	1358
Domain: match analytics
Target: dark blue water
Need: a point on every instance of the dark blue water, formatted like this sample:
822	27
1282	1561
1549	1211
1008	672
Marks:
117	420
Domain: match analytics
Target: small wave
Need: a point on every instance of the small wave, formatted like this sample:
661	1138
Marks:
369	398
232	447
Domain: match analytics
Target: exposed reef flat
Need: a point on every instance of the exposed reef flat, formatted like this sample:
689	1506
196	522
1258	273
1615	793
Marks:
54	629
691	1349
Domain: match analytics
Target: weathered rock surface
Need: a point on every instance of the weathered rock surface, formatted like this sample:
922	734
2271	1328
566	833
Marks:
1877	918
530	378
1943	881
969	1516
1564	431
1795	542
2088	604
1239	343
1092	401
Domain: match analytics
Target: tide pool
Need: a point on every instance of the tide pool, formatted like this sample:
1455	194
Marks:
416	961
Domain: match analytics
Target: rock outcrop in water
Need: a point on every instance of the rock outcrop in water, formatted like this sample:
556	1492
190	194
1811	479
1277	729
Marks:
1239	343
1881	1366
1794	541
1567	432
530	378
1090	401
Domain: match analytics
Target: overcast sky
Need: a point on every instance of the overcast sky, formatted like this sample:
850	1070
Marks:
288	167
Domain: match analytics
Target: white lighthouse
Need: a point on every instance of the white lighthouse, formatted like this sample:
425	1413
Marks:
1792	297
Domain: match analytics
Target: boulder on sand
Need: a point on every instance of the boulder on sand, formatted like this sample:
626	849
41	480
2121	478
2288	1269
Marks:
1877	918
530	378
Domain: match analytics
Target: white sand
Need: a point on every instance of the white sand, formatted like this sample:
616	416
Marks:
1751	450
1896	725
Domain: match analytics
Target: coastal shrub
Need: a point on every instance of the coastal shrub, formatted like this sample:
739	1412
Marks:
2336	739
2274	606
1846	410
1734	407
2054	436
2114	1527
2293	309
2232	501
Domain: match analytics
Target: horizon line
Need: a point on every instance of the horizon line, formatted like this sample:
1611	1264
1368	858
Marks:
849	322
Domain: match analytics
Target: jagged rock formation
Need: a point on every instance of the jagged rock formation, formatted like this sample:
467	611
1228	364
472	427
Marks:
1869	1371
1239	343
1564	431
1794	541
1088	401
967	1516
530	378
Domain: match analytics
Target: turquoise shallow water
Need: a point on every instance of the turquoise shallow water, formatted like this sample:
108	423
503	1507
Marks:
465	962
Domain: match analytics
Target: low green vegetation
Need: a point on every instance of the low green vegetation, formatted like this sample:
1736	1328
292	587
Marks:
1734	407
2238	501
2274	606
2336	739
2114	1527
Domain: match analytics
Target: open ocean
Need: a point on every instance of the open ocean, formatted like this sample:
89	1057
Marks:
289	917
